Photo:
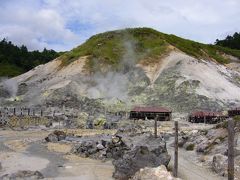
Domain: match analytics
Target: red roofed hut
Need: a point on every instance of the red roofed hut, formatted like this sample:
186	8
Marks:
206	117
234	112
163	114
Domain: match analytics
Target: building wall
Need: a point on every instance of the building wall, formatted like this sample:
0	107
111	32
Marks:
150	115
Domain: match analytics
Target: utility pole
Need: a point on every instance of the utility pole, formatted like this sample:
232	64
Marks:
155	126
175	169
230	149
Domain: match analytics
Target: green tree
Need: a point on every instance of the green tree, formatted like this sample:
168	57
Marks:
15	60
230	41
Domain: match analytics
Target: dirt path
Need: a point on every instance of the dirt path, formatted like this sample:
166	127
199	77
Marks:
188	169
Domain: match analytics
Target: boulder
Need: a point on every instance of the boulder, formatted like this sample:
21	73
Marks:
27	175
158	173
85	148
219	164
51	138
100	147
145	151
56	136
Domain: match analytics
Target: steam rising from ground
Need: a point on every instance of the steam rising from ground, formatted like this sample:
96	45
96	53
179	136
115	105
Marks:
114	85
11	86
111	85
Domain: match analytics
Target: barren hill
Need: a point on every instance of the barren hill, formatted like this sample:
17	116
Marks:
123	68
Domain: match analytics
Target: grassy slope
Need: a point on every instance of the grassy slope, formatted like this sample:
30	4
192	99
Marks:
10	70
109	47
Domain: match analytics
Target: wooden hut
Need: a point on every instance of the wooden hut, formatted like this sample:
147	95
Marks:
206	117
163	114
234	112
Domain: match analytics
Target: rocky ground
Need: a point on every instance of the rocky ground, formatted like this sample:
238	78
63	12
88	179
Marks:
130	151
25	154
209	147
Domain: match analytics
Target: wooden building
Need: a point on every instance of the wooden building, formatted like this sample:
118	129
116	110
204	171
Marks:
163	114
234	112
206	117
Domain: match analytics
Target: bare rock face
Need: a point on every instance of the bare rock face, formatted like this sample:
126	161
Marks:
27	175
146	152
158	173
219	164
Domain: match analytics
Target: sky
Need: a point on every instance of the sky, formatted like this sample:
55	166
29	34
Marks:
64	24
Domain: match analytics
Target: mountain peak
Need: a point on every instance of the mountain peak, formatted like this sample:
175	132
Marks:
109	48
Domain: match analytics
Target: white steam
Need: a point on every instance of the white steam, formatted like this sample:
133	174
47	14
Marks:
111	85
11	86
114	85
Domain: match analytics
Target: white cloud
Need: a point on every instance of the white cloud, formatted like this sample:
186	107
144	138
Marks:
35	27
62	24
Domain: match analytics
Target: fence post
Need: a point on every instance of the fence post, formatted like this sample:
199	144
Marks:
175	169
155	126
230	149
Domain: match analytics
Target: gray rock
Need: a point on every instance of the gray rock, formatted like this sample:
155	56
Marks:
56	136
26	175
100	147
182	141
146	151
203	146
219	164
52	138
0	166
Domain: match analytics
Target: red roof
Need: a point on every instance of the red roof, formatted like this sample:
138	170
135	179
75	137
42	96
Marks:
205	113
151	109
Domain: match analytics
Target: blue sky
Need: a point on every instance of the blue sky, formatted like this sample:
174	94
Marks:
64	24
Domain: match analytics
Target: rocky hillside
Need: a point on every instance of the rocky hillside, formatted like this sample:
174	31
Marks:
119	69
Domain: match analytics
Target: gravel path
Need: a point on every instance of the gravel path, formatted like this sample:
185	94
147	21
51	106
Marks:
190	170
